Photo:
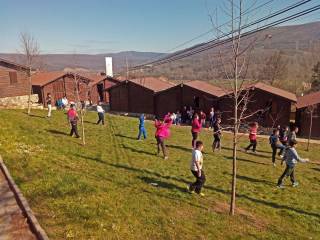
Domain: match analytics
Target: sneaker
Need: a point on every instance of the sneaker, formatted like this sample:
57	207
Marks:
281	156
254	152
190	191
202	194
295	184
274	164
280	186
166	158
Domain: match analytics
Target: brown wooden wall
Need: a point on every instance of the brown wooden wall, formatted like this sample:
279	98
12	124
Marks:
303	122
280	110
168	101
140	99
119	98
206	101
176	98
130	97
107	84
18	86
64	86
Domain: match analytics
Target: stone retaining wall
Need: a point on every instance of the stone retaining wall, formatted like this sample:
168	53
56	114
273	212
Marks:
20	102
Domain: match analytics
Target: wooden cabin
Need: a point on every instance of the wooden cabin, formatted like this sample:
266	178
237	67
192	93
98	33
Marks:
136	95
13	79
308	108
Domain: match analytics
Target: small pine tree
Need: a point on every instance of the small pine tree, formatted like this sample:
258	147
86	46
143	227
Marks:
315	80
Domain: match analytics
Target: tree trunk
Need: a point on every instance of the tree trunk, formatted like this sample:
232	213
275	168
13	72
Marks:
77	87
234	172
30	91
310	129
82	126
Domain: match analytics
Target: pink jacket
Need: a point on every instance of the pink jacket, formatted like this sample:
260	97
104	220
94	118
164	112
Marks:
162	129
196	126
72	114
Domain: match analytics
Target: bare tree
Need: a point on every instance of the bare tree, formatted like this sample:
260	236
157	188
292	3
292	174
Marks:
30	48
77	85
234	64
276	68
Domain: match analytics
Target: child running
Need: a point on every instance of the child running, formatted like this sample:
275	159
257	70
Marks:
253	137
162	133
293	133
283	135
275	145
292	158
101	112
195	129
217	135
142	129
49	104
196	169
73	120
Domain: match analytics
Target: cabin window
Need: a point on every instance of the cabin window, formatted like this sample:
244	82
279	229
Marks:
13	77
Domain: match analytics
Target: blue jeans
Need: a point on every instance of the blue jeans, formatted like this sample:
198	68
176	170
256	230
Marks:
101	118
275	147
143	131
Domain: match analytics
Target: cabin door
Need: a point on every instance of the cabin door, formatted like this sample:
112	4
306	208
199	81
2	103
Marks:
100	92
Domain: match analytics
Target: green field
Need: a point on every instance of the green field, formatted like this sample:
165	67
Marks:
103	190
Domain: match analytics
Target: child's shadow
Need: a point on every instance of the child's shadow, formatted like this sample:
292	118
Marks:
161	184
134	150
56	132
123	136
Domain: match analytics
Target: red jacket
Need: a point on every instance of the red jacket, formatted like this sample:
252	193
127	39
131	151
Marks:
253	133
195	126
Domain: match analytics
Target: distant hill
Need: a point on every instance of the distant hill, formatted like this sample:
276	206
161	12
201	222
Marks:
53	62
299	46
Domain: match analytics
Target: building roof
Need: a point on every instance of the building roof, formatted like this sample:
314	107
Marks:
151	83
44	78
13	65
96	78
207	88
308	100
274	90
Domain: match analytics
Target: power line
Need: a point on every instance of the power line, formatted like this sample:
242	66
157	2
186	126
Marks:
198	47
278	22
206	33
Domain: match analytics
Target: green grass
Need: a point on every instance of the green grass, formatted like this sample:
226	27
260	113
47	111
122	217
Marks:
103	191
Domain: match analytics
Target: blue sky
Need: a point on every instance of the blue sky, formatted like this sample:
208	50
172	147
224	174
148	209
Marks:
104	26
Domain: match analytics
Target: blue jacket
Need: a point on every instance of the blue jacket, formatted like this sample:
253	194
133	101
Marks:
141	119
273	139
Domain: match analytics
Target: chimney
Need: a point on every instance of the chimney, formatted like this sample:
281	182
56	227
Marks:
109	71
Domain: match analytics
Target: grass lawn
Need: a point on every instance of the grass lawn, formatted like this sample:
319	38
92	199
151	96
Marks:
103	190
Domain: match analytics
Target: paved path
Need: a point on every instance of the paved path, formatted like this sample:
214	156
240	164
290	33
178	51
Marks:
13	225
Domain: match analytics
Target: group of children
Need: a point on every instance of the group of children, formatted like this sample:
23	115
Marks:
284	140
163	132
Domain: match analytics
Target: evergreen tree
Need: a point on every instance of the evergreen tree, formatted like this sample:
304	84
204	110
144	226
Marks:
315	80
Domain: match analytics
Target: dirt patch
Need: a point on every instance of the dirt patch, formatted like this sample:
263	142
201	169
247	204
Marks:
223	208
